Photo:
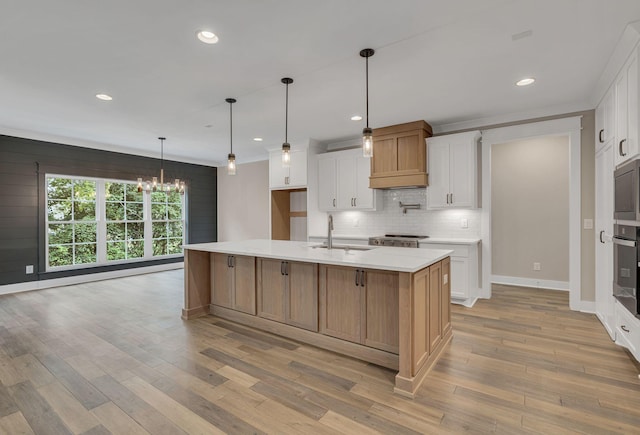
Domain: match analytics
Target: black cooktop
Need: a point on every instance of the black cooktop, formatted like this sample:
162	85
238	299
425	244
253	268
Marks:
406	236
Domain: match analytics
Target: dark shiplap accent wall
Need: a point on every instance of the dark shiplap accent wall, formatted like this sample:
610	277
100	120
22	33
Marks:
22	201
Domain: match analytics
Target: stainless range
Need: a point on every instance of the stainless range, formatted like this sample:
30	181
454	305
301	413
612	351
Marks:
400	240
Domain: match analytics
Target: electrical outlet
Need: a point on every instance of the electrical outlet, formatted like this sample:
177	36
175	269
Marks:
588	224
536	266
29	269
464	223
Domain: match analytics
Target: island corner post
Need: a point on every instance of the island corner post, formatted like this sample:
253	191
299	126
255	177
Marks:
424	319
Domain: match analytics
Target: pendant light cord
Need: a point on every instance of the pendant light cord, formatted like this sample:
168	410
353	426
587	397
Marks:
161	154
286	114
231	125
367	86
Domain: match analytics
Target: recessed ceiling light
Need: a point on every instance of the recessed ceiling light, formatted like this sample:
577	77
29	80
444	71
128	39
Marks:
525	82
104	97
356	118
207	36
257	139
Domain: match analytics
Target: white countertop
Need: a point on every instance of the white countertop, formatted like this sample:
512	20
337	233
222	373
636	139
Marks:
447	240
381	258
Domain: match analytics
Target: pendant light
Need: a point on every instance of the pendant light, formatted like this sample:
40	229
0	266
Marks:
286	148
231	164
154	184
367	132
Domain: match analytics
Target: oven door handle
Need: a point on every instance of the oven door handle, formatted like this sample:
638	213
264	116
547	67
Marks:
624	242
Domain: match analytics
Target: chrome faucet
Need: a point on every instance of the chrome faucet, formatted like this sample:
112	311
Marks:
329	232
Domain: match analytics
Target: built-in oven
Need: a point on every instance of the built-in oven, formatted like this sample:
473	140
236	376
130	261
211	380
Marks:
625	259
627	192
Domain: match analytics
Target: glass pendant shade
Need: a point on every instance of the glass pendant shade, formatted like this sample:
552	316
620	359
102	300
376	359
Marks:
154	184
139	185
286	155
367	142
231	165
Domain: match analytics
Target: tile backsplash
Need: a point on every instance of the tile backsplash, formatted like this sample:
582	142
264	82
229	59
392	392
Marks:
391	220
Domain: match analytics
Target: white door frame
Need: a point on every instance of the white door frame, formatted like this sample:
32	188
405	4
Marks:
570	127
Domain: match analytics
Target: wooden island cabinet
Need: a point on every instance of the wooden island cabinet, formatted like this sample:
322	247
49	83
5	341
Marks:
384	306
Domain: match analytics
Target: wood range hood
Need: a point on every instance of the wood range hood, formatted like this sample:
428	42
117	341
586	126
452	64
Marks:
400	156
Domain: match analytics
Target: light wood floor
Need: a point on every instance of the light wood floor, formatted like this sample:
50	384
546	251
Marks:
114	356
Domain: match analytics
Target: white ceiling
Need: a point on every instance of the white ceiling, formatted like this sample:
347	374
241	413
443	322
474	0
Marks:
441	61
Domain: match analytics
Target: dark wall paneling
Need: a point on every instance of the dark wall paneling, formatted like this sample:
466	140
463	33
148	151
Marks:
23	165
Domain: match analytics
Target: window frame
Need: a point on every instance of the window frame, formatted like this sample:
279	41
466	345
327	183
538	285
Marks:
101	225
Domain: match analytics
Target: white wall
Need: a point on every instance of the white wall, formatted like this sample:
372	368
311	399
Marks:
243	202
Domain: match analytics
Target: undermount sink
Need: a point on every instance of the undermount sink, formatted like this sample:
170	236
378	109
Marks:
345	247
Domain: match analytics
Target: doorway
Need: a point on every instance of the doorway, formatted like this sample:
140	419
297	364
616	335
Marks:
568	128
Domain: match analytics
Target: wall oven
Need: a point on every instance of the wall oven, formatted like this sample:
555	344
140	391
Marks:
625	259
627	192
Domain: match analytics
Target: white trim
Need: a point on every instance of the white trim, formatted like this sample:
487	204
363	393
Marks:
81	279
509	118
588	307
530	282
82	143
565	126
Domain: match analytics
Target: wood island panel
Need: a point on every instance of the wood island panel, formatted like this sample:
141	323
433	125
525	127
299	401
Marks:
446	296
382	310
270	289
420	330
340	303
301	304
197	284
434	306
244	284
221	280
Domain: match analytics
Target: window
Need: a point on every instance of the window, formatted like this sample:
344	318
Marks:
166	223
72	224
125	221
93	221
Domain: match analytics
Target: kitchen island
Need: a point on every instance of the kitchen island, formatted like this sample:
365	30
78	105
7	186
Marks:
388	306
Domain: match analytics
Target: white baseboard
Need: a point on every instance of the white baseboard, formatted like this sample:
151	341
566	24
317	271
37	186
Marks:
81	279
530	282
588	307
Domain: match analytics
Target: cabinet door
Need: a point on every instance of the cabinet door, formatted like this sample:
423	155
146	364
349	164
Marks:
609	124
434	306
633	112
221	277
271	289
600	133
278	175
604	231
382	311
244	284
346	182
298	169
621	118
341	305
301	304
365	197
438	189
327	175
462	175
445	300
459	277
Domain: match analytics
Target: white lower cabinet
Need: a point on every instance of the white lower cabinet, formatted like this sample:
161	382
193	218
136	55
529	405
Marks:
464	271
627	330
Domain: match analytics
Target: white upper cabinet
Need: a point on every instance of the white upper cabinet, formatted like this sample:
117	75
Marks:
295	176
343	182
626	114
605	119
453	170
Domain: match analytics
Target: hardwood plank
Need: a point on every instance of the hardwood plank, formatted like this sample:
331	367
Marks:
174	411
70	411
31	368
116	421
342	424
15	424
7	405
36	410
81	389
